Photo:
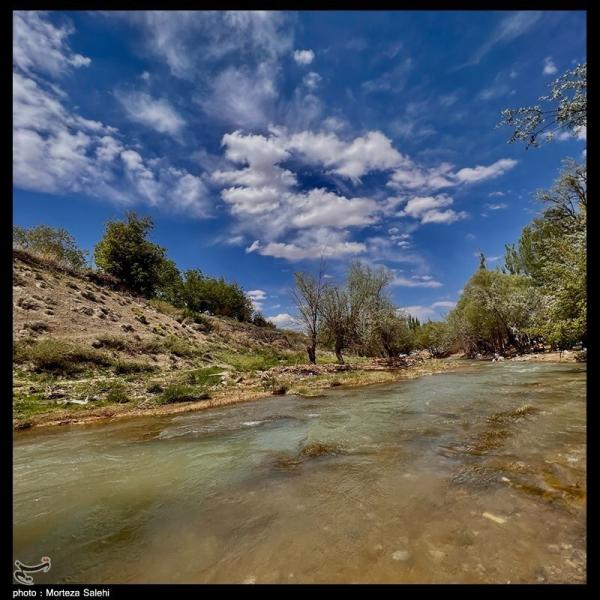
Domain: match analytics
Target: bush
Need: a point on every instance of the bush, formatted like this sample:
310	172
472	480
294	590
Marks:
182	393
118	393
50	243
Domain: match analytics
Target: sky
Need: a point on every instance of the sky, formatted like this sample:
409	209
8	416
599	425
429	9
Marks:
260	142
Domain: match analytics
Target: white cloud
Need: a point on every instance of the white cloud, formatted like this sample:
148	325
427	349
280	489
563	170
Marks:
549	66
257	297
311	80
244	97
186	39
415	282
497	206
39	45
427	209
311	244
370	152
158	114
431	312
393	80
304	57
285	321
481	173
512	26
57	150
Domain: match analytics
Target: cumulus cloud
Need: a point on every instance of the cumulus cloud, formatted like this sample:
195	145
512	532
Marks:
432	312
427	209
158	114
549	66
41	46
285	321
311	80
257	297
481	173
304	57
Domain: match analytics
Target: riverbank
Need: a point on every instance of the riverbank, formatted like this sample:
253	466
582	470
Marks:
303	380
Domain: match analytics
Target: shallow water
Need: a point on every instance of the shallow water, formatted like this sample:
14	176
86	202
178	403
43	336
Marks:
436	479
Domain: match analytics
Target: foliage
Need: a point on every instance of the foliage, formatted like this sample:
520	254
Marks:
435	337
260	321
565	109
50	243
215	296
126	253
181	393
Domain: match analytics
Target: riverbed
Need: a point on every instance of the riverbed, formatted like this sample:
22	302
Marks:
477	475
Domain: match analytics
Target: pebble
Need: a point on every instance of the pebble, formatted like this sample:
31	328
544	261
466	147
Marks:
494	518
401	555
250	579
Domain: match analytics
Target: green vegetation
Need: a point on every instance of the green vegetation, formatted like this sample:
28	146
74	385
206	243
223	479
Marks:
50	243
182	393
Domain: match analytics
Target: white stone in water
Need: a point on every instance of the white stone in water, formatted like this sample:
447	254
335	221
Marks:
401	555
250	579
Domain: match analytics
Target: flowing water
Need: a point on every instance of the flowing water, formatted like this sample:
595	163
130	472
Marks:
474	475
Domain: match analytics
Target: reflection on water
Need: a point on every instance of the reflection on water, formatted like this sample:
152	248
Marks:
469	476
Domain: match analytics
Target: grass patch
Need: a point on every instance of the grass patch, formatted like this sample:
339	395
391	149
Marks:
59	357
261	360
164	307
124	367
155	388
182	393
204	377
179	347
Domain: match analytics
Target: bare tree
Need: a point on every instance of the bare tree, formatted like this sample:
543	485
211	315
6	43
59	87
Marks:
308	297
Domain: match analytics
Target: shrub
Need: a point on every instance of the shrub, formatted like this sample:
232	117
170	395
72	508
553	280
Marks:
50	243
182	393
179	347
118	393
155	388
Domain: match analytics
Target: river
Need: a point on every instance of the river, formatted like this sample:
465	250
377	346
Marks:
473	475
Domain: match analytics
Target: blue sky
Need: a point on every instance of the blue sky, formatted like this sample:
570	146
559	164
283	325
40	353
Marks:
260	141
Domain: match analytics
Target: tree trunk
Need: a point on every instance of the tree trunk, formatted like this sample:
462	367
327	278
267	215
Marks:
338	352
312	354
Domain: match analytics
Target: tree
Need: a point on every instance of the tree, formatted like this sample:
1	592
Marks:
216	296
49	242
552	252
337	323
170	283
126	253
394	332
566	110
434	336
308	296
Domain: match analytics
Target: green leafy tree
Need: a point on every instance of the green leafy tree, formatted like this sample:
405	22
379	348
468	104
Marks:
216	296
126	253
49	242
